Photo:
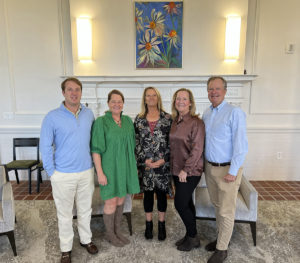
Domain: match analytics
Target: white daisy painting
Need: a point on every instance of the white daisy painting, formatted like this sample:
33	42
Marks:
158	34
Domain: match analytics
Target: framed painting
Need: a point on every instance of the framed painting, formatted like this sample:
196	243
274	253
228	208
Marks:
158	34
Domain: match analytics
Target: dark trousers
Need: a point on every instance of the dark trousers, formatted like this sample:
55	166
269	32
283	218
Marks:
184	203
149	200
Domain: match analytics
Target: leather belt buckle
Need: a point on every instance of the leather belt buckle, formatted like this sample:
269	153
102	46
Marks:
219	164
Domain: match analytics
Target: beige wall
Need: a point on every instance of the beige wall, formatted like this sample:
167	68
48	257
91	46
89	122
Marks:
36	50
114	37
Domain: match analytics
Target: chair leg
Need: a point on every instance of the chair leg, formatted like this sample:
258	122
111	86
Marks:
41	178
17	176
11	238
29	180
38	180
253	231
128	217
6	173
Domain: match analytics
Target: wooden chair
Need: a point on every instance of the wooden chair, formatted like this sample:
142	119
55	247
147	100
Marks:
39	168
28	165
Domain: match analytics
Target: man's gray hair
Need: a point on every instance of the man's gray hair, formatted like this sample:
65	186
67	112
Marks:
212	78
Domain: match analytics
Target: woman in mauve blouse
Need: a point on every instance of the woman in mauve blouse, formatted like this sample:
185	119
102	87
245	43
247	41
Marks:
186	161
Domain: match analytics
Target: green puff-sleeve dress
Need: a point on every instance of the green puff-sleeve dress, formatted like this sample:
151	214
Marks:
116	146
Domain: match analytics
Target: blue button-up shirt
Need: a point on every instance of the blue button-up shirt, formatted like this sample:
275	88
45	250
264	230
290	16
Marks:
226	136
65	140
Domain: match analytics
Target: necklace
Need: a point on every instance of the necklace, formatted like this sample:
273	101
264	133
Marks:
117	122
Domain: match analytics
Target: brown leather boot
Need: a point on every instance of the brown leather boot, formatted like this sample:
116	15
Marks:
118	220
66	257
218	257
109	221
90	247
211	246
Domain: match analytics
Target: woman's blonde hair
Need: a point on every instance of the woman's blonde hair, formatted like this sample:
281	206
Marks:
175	113
144	107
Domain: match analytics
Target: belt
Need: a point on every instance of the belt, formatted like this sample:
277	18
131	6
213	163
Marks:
219	164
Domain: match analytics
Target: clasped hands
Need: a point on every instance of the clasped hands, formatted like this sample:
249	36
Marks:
149	163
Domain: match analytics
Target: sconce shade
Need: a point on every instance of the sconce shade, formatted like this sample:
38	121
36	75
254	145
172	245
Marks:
232	37
84	38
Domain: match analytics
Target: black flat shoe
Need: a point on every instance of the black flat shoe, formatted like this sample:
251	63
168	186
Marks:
180	241
189	244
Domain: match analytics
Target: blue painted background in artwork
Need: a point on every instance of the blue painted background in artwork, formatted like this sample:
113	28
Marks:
158	34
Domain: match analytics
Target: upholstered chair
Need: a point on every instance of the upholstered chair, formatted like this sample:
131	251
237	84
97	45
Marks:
7	209
246	205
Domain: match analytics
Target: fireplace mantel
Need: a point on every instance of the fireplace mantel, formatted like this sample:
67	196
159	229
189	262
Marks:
96	88
161	79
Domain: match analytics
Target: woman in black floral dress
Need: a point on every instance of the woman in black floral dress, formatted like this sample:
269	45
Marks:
152	127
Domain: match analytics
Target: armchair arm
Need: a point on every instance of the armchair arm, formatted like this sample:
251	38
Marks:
8	205
249	194
194	196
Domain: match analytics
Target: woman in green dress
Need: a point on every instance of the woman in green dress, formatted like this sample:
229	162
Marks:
112	146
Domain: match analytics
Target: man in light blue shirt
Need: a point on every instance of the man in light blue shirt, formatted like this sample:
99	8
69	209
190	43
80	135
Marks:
65	149
226	146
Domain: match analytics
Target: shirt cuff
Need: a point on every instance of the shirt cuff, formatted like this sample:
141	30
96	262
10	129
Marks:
233	170
187	170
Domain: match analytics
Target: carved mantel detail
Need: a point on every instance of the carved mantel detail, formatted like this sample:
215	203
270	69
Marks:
96	88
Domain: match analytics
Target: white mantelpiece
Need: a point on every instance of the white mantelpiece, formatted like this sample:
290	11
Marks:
159	79
96	88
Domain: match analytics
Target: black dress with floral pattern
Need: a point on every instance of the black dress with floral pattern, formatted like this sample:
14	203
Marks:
153	146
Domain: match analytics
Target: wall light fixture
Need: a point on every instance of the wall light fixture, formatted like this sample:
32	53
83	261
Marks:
232	37
84	39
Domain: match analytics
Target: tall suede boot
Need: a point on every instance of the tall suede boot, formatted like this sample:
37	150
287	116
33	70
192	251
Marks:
109	221
118	220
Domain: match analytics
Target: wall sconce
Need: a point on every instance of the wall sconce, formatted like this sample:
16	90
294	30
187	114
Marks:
232	38
84	39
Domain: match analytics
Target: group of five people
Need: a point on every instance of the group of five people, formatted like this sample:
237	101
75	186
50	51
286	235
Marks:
156	147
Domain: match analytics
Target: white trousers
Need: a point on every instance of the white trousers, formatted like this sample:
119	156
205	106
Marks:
67	188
